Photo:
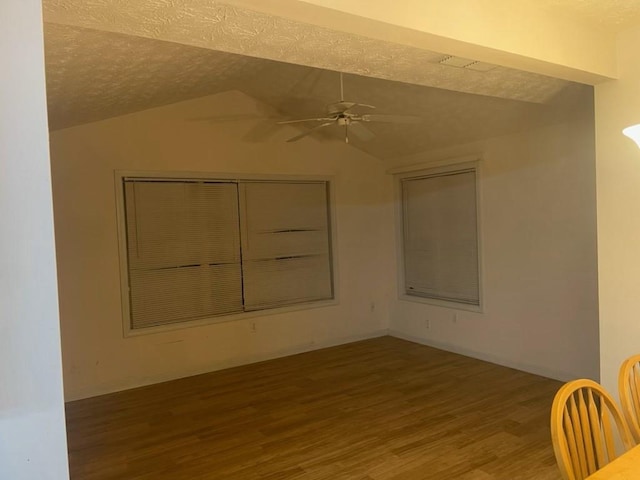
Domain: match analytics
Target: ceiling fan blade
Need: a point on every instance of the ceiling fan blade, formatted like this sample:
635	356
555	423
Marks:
309	132
227	118
360	131
323	119
261	132
365	105
391	118
342	107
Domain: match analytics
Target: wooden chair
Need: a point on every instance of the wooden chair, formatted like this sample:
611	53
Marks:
629	391
587	429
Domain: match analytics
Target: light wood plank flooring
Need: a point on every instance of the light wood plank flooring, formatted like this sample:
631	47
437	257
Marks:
380	409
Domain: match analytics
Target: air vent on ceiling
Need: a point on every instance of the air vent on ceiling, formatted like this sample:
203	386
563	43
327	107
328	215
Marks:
466	63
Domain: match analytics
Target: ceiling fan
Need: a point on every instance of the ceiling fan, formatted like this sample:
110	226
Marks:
342	114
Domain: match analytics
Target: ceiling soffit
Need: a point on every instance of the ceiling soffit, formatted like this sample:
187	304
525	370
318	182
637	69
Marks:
218	26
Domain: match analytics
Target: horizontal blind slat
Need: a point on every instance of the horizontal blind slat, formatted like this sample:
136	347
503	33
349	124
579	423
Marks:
183	248
286	248
176	223
286	281
174	295
440	237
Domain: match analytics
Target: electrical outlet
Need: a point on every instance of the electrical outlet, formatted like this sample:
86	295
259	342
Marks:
252	327
427	324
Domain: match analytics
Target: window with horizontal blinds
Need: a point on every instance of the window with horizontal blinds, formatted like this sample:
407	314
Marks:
440	236
183	249
203	248
285	243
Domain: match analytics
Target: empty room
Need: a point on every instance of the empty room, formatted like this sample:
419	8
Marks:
313	240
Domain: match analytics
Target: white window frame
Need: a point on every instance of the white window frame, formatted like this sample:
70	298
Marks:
120	175
425	170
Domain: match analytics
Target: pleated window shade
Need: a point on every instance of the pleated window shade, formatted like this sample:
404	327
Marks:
441	237
285	243
183	249
199	249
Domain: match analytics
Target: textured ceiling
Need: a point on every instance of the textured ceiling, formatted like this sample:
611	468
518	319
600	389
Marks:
125	63
93	75
447	118
218	26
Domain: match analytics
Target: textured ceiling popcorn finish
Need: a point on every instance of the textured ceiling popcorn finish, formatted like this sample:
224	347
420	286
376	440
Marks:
216	26
106	58
93	75
84	85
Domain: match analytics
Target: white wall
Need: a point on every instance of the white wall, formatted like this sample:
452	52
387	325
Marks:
538	237
618	189
97	359
538	232
32	432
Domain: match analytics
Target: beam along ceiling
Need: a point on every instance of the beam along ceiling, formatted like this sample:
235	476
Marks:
97	73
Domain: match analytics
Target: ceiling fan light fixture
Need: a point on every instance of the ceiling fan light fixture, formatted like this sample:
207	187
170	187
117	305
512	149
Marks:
633	132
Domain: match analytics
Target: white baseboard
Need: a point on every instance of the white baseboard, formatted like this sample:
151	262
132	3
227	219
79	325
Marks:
534	369
103	389
96	390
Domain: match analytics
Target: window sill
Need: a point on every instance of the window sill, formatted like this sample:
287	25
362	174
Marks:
441	303
234	317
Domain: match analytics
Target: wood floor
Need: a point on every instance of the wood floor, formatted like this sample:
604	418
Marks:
379	409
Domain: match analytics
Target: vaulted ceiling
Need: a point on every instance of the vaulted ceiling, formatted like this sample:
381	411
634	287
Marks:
107	58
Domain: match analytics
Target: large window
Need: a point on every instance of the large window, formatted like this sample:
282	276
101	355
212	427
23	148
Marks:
440	236
199	249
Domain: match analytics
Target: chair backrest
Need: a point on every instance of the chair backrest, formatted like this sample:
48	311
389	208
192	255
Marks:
587	429
629	391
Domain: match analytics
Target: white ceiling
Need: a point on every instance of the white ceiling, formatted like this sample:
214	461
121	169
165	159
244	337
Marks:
100	72
614	15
